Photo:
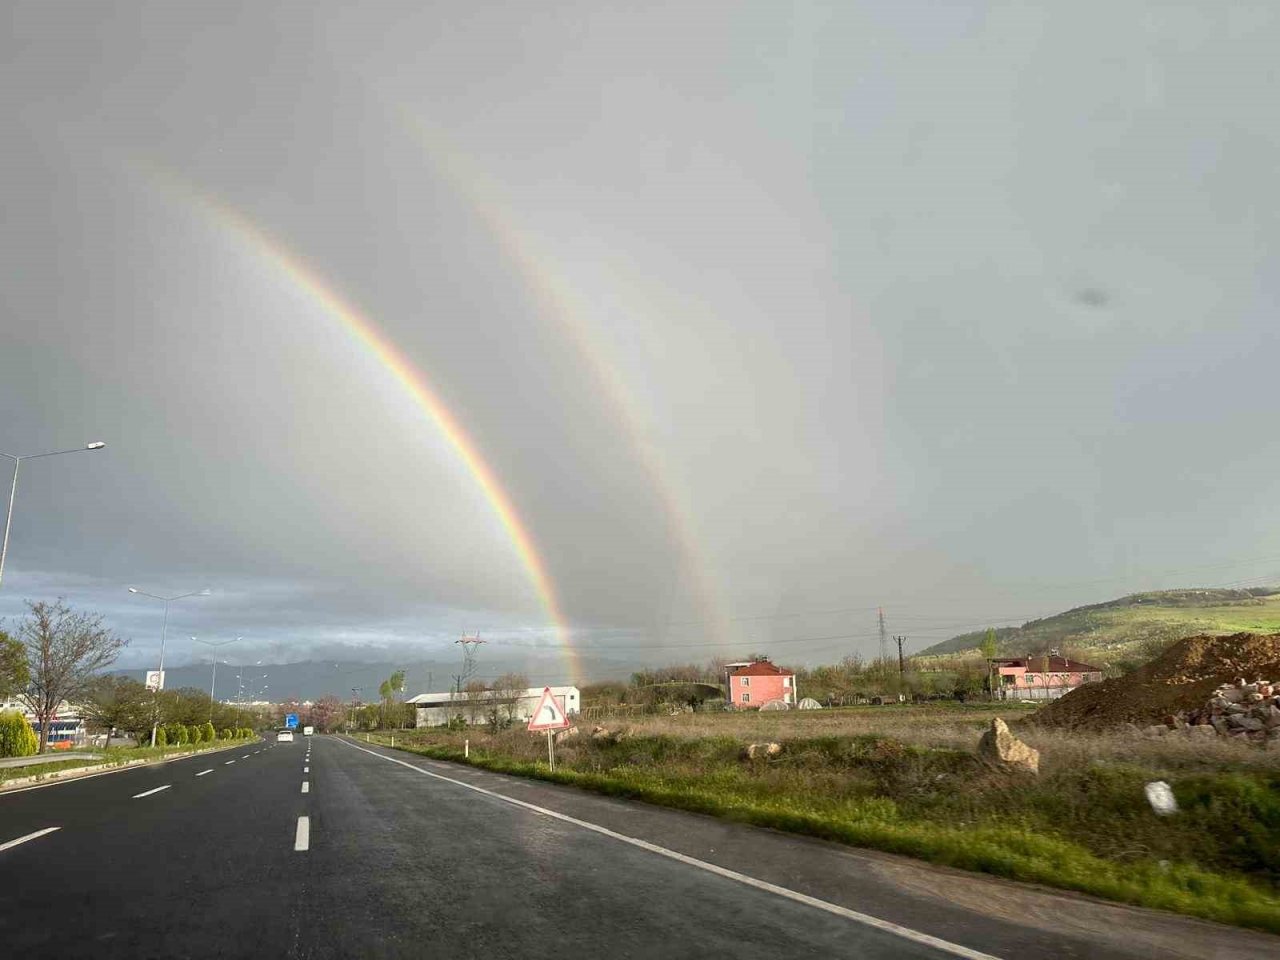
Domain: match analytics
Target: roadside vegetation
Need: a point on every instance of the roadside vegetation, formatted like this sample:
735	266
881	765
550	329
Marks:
906	779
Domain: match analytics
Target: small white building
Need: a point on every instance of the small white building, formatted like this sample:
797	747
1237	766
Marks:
436	709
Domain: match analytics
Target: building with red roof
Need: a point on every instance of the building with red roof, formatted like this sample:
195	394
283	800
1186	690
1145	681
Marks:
1045	677
752	684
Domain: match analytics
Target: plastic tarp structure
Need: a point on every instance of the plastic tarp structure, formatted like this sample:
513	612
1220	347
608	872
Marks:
808	703
775	705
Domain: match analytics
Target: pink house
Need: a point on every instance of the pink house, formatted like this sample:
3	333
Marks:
1045	677
753	684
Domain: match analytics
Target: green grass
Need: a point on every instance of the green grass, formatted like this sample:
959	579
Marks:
1084	827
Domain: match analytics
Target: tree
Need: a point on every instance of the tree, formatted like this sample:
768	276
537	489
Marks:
17	739
209	733
474	695
14	675
507	691
988	653
327	713
117	703
65	649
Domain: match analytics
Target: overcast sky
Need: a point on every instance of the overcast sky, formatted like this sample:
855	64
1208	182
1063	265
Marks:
761	315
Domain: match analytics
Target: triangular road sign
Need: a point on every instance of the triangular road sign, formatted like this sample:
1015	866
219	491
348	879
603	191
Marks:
549	715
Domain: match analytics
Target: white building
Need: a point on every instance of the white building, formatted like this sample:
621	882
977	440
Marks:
436	709
68	723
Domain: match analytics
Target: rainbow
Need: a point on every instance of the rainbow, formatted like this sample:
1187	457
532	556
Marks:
552	292
362	330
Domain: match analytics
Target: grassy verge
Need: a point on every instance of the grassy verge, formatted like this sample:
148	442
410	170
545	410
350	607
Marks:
1085	828
116	756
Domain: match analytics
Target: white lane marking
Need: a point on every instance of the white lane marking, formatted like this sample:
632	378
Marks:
30	836
306	786
228	763
147	793
245	757
887	926
203	772
302	839
306	769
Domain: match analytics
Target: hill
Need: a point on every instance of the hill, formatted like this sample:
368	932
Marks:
1132	627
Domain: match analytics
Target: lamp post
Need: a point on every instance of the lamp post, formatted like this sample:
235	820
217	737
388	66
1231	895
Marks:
13	488
214	683
155	720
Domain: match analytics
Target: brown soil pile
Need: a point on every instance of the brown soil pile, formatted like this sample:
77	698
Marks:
1182	678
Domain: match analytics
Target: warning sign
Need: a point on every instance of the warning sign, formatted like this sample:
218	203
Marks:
549	715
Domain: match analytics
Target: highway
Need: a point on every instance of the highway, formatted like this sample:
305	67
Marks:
329	848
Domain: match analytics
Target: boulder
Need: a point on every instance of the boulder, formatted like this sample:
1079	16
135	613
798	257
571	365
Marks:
761	751
1002	749
1251	724
1273	717
1220	724
1204	730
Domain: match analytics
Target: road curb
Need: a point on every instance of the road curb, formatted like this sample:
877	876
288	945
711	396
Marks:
98	769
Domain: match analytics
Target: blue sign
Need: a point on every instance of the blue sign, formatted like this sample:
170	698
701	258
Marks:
291	720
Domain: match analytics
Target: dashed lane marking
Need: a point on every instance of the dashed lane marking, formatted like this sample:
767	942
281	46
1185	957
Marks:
302	839
203	772
30	836
147	793
306	786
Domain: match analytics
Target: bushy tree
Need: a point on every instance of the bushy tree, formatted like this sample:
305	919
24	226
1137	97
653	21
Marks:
224	734
119	703
17	739
14	675
162	737
195	733
208	734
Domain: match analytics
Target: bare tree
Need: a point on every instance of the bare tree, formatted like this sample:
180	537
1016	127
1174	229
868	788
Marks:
64	651
507	691
475	697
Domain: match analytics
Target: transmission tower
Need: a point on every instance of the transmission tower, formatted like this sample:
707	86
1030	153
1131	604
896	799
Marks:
469	645
884	636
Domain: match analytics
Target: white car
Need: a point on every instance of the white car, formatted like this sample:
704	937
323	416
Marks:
308	731
284	736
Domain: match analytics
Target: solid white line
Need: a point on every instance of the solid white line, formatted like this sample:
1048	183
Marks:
29	836
887	926
203	772
147	793
306	786
302	839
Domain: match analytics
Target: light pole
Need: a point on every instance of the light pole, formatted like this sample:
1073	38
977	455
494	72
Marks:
155	719
13	488
215	644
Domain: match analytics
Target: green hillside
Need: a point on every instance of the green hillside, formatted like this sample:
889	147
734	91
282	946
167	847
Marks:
1132	626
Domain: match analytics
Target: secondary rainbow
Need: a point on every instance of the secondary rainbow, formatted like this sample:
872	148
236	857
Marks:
363	330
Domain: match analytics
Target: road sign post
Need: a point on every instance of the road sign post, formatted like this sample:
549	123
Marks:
549	716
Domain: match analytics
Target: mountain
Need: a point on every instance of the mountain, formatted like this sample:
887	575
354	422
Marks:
1117	629
312	679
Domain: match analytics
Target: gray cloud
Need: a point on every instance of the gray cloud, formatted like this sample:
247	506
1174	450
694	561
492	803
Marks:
966	311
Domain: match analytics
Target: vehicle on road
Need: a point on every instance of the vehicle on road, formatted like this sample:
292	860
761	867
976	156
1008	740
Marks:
284	736
308	731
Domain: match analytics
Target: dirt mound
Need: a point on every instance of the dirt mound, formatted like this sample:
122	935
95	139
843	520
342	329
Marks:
1184	677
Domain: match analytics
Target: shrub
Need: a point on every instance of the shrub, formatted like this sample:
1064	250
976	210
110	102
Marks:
179	736
195	733
17	739
162	737
207	733
225	734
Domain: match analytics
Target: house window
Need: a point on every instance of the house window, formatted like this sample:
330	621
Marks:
1031	678
746	681
786	682
746	698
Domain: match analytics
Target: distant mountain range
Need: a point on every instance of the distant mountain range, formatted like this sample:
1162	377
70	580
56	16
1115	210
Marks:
1116	629
312	679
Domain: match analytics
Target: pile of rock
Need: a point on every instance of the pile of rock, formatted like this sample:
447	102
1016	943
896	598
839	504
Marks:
1247	711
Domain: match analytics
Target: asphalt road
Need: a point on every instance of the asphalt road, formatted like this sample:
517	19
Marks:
327	848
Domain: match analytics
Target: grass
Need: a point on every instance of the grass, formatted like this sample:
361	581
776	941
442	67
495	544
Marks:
1115	630
116	756
906	780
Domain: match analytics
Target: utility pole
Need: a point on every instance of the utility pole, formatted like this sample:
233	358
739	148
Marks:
469	645
884	636
354	691
902	663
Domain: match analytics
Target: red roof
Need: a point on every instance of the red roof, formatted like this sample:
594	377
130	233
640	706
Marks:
1055	664
761	668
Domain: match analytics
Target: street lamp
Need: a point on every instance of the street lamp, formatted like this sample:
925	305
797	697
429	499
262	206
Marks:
214	683
13	488
155	720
